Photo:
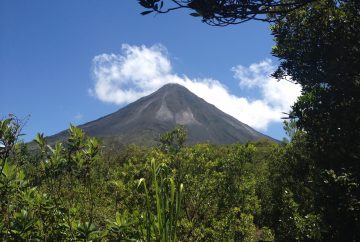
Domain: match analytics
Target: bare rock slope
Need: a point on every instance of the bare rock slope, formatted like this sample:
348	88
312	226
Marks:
142	121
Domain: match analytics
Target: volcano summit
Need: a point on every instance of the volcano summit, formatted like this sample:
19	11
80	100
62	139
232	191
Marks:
142	121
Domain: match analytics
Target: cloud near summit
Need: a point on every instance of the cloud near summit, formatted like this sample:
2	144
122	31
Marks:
139	70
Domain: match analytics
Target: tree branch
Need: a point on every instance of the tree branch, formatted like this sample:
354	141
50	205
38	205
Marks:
228	12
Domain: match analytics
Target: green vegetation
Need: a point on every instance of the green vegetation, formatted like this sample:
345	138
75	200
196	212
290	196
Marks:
226	12
306	189
80	191
319	48
318	45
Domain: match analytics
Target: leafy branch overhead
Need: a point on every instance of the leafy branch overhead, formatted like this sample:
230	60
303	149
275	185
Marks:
226	12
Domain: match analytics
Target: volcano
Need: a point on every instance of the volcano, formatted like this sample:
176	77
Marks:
142	121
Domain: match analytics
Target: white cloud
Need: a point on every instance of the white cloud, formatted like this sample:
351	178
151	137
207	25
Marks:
279	95
123	78
140	70
253	75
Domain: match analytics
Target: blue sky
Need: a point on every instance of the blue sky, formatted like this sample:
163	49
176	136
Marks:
69	61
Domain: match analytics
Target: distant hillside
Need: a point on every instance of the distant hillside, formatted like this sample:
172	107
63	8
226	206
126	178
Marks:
142	121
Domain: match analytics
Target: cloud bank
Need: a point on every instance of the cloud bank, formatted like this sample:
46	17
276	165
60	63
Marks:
139	70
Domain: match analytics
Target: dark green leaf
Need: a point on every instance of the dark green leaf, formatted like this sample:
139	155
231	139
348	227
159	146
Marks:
195	14
147	12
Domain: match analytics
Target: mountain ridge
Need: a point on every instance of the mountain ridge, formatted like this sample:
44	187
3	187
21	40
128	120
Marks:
142	121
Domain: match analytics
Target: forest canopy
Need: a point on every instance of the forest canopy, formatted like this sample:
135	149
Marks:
79	190
318	46
304	189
